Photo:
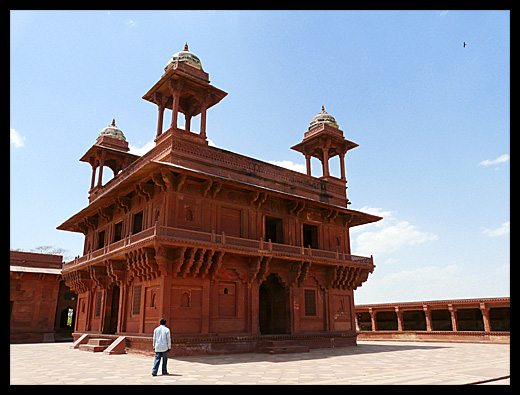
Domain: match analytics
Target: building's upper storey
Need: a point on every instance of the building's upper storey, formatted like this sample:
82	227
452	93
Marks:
180	153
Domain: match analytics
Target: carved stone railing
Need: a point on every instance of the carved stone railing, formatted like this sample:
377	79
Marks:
217	241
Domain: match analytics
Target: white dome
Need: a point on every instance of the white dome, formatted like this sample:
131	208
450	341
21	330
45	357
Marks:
185	56
323	117
112	131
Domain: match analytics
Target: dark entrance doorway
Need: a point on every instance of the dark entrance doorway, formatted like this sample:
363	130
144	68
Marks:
112	311
273	306
67	316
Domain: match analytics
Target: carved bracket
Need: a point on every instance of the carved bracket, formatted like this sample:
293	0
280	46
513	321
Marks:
105	212
141	262
346	277
124	203
216	263
257	198
116	270
259	268
330	214
99	276
301	272
296	207
158	180
78	281
145	190
173	182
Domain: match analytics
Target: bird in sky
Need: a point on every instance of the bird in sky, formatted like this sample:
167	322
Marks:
464	45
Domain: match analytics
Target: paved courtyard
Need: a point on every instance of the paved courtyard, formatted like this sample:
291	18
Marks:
371	362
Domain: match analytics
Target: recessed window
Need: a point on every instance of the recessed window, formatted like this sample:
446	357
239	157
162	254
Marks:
310	303
97	311
101	239
310	236
136	302
274	229
118	231
137	223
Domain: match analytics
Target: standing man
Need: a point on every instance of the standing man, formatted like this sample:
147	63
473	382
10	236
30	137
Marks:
161	344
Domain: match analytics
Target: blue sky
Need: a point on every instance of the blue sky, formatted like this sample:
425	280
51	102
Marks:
432	120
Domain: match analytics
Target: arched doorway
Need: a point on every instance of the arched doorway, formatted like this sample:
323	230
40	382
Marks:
273	312
67	317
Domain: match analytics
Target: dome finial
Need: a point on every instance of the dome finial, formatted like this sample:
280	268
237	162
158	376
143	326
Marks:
323	117
185	56
112	131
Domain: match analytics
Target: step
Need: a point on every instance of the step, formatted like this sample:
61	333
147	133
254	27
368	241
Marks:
100	341
91	348
96	344
282	347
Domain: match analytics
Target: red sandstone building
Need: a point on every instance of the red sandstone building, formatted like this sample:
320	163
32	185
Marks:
485	319
41	306
232	251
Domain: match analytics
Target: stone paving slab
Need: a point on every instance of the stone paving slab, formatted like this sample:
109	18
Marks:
371	362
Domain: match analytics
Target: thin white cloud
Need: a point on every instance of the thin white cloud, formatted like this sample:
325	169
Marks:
143	150
391	260
504	229
387	236
16	138
288	164
442	13
131	23
422	283
491	162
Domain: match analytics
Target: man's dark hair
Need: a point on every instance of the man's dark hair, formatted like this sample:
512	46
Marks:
163	321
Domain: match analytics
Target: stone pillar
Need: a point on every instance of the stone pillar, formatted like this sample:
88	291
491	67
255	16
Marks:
175	89
254	289
161	106
308	163
175	109
187	122
93	179
399	314
428	316
89	309
294	300
485	317
101	164
121	319
373	319
453	313
325	161
342	165
203	111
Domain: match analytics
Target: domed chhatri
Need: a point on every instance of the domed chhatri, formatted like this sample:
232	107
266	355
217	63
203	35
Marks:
324	140
323	117
112	131
185	56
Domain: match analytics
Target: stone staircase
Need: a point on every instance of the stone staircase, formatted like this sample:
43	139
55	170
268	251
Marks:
282	347
96	345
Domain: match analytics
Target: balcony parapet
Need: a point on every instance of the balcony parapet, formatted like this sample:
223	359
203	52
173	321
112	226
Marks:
170	236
